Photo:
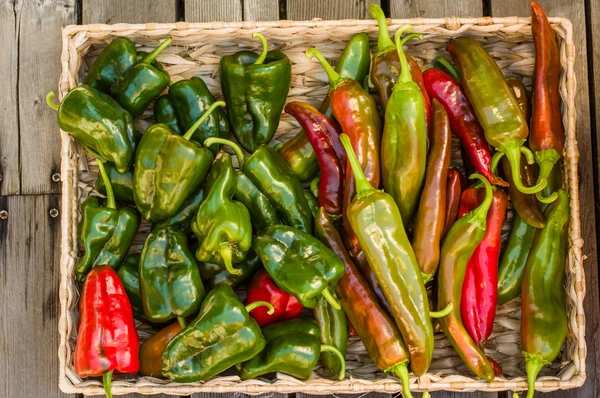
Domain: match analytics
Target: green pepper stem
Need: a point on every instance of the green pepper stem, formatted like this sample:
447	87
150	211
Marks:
405	75
337	353
152	56
334	78
363	186
256	304
512	150
107	383
330	299
110	194
401	370
278	146
546	160
426	394
479	214
204	116
314	186
442	313
49	97
533	365
236	148
426	277
384	42
410	36
265	48
445	64
227	255
182	322
515	395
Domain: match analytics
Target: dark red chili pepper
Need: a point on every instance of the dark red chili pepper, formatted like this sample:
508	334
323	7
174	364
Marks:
463	120
454	187
107	340
323	134
480	287
262	288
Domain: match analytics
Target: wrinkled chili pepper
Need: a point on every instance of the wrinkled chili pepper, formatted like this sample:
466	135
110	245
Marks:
547	138
323	134
262	288
431	214
458	247
356	112
333	330
454	186
463	120
151	350
480	286
107	340
496	108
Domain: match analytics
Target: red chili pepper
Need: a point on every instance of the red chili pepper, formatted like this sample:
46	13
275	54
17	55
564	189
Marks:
463	120
107	340
351	330
480	287
454	187
323	134
262	288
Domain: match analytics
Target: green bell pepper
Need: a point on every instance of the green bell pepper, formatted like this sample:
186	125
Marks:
299	264
112	62
164	112
215	274
333	327
222	335
170	283
182	219
168	168
255	88
122	183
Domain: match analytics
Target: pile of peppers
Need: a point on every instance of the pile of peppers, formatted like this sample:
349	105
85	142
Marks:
358	217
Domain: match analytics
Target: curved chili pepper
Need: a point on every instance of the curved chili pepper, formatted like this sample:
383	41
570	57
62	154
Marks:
547	138
323	134
496	108
375	217
480	287
375	327
454	187
457	248
431	214
333	331
543	296
367	273
463	120
356	112
151	350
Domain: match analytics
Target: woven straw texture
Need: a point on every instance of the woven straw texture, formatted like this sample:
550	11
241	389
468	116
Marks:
196	51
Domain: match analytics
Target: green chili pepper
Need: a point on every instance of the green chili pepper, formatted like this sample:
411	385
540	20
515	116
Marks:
292	326
164	112
222	335
313	203
262	212
255	88
129	273
182	219
215	274
122	183
112	62
333	327
170	282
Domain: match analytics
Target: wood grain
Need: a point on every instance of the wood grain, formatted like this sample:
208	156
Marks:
213	10
328	9
38	26
261	10
10	176
575	11
129	11
435	9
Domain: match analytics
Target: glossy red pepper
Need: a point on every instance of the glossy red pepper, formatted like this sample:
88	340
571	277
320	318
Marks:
454	188
262	288
107	340
480	287
463	120
323	134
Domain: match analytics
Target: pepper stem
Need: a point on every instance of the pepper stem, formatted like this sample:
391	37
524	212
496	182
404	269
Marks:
479	214
442	313
337	353
533	365
107	382
363	186
512	150
384	42
314	186
182	322
49	97
401	370
110	194
204	116
443	63
236	148
426	277
227	255
278	146
152	56
334	78
330	299
405	75
546	160
256	304
265	48
410	36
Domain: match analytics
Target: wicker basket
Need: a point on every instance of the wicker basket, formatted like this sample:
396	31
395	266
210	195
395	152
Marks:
196	51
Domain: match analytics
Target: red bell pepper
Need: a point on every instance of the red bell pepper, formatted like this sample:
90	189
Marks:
323	134
463	120
107	340
262	288
454	187
480	286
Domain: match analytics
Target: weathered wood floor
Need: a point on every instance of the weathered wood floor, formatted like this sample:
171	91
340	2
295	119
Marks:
30	156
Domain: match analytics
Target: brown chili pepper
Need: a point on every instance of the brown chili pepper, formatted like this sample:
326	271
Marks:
429	223
454	187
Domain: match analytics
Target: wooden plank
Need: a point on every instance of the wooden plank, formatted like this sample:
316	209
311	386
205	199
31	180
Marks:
10	183
261	10
328	9
29	261
130	11
213	10
39	26
575	11
435	9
